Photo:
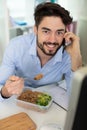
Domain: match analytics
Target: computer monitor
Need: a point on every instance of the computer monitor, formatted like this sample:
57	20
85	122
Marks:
76	118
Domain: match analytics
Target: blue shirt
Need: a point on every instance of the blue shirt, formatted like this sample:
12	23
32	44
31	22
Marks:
21	59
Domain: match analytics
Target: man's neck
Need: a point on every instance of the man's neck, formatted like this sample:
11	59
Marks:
43	57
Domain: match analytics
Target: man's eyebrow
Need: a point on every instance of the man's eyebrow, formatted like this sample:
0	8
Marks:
61	30
44	28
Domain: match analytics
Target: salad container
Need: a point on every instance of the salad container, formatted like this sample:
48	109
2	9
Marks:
34	100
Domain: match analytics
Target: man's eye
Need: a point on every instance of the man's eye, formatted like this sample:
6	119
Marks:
59	33
45	31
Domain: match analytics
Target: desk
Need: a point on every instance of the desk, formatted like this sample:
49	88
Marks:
54	115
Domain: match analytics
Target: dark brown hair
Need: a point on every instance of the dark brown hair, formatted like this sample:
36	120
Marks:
51	9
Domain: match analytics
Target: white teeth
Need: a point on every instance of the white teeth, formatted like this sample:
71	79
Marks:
51	46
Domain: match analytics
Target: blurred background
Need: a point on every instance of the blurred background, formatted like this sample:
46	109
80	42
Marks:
17	19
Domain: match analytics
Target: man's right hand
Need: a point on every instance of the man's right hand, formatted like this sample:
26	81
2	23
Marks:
14	86
74	50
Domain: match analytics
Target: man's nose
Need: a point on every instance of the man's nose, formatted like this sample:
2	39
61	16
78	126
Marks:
52	38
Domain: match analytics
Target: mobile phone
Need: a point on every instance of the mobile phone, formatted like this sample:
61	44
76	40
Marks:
65	44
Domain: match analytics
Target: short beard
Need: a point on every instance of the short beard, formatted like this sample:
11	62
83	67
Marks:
41	46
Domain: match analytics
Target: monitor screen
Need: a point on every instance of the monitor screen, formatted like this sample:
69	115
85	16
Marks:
76	118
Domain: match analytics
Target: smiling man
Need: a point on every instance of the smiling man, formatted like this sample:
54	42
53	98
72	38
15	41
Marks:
42	52
51	32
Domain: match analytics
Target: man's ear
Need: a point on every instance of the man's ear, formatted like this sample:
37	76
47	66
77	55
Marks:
35	29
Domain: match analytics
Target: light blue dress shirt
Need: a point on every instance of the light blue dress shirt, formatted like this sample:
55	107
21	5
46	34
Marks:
21	59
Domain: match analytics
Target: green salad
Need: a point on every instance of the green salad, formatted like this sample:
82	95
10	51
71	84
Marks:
43	99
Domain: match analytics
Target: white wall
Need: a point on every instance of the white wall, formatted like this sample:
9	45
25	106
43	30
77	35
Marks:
74	6
4	36
22	11
16	9
30	4
82	32
78	10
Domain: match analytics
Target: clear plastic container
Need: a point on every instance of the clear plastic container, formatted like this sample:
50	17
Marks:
33	106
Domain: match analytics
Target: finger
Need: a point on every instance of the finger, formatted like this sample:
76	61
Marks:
13	78
17	84
13	85
18	88
69	37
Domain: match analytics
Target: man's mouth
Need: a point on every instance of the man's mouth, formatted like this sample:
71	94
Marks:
49	48
50	45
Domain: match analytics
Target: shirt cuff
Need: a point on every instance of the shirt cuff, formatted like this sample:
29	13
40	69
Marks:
1	98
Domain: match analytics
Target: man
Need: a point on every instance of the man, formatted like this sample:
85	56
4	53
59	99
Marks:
42	52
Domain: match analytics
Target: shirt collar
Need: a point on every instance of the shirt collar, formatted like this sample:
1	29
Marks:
58	56
32	50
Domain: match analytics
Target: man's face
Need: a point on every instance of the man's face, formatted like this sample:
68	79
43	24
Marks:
50	33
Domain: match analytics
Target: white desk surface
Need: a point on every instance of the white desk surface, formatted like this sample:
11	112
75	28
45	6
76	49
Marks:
55	114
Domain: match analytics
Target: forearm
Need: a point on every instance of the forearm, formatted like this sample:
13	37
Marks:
76	61
74	50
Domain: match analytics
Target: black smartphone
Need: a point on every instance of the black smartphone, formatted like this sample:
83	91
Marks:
65	44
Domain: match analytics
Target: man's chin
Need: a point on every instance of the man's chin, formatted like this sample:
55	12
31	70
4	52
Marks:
47	52
50	53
